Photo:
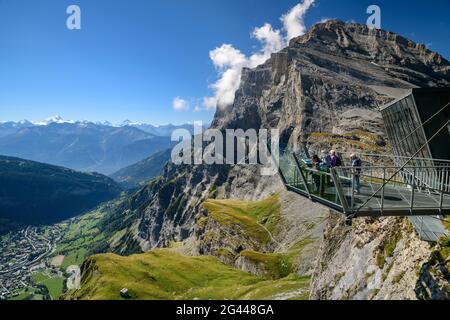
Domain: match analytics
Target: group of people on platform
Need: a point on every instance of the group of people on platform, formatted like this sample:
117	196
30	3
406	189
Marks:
329	160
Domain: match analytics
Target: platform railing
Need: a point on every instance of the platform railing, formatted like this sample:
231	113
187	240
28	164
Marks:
382	188
414	189
434	177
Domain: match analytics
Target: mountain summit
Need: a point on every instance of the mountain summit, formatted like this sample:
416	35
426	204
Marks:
53	119
335	73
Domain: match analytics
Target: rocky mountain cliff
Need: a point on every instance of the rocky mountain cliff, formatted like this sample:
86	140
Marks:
381	259
324	86
332	80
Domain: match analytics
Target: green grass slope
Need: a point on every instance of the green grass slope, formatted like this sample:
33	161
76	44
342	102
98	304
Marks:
54	284
255	219
258	221
163	274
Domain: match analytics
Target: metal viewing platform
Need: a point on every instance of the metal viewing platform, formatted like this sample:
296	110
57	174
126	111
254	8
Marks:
414	191
411	182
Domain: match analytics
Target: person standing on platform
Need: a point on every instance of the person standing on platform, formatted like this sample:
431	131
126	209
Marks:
357	169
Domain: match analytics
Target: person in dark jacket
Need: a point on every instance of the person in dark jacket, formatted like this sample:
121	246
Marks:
326	159
318	177
356	164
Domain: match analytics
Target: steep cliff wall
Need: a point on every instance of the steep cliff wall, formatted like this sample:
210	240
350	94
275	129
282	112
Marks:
378	259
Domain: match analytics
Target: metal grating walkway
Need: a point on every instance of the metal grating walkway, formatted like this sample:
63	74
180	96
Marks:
429	228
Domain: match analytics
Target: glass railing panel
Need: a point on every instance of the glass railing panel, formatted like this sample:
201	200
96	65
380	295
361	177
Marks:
299	173
320	183
344	178
291	172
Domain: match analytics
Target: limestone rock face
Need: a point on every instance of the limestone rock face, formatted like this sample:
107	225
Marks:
375	259
379	259
175	200
332	79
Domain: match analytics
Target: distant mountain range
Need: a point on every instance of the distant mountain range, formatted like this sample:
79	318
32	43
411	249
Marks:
163	130
35	193
158	130
83	145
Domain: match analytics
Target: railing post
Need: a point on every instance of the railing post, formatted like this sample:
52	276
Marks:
382	191
340	192
295	177
371	174
353	190
441	200
413	190
447	180
302	176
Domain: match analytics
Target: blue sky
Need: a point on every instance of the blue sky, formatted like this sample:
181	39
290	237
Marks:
132	58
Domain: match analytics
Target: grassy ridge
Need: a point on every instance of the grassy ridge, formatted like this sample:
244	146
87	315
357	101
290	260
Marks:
256	219
163	274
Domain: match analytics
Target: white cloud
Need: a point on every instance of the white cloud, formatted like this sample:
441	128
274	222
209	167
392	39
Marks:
294	22
227	57
229	61
180	104
271	41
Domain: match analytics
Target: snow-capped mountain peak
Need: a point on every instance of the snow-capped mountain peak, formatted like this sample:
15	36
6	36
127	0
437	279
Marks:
53	119
129	123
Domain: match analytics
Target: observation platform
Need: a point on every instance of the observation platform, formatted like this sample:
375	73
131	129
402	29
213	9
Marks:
418	191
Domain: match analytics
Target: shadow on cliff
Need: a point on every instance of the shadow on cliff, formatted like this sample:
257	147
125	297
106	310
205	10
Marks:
433	282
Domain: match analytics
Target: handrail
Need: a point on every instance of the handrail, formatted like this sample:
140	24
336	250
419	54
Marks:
405	165
424	190
368	155
392	167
